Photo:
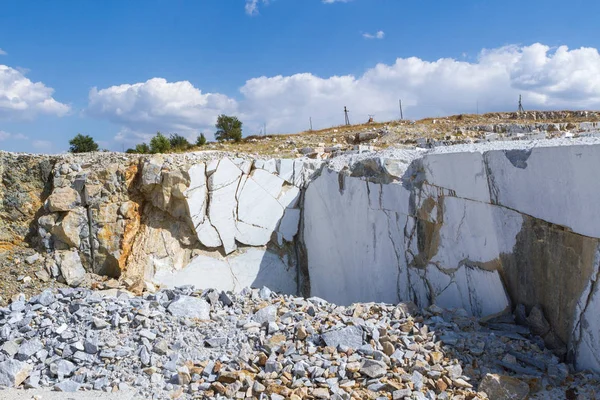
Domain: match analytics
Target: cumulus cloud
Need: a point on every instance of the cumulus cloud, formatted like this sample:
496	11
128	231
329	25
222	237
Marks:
548	78
377	35
158	105
3	53
22	98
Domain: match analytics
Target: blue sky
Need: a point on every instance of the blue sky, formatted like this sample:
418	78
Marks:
121	70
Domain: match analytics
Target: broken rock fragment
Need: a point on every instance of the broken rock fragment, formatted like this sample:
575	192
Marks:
502	387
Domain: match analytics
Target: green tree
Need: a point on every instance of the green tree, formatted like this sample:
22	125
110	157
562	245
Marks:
82	144
228	128
201	141
178	142
142	148
159	144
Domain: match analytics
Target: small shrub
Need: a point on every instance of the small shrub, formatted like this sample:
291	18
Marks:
159	144
201	141
179	142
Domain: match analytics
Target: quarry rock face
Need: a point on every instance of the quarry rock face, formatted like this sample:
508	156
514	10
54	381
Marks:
489	229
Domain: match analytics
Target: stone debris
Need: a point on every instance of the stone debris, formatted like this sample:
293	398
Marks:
183	343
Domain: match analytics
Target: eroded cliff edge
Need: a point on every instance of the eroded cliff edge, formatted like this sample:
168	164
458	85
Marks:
481	228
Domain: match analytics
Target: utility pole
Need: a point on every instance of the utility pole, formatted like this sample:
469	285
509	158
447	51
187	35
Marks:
265	128
347	120
310	120
400	104
521	109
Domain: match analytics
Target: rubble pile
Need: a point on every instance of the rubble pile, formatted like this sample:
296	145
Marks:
183	343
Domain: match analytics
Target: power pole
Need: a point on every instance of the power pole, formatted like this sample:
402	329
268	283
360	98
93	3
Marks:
265	128
310	120
521	109
347	120
400	104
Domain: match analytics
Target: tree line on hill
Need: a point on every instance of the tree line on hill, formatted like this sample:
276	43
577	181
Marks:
229	128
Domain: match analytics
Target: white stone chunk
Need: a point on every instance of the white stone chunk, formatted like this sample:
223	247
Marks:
475	231
221	213
285	169
270	183
252	235
550	183
208	235
288	226
464	173
354	253
226	174
244	165
258	209
270	166
289	197
211	167
197	194
253	267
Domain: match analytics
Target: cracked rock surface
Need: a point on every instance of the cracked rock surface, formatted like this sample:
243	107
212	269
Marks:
183	343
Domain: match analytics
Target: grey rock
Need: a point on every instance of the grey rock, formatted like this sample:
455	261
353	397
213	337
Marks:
14	372
46	298
190	307
68	385
265	315
351	336
537	322
10	348
72	269
161	347
33	258
62	368
373	369
100	323
28	349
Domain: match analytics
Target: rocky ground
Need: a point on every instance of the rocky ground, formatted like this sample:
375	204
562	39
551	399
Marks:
456	129
184	343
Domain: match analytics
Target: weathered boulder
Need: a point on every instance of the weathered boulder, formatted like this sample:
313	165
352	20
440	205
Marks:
68	229
63	199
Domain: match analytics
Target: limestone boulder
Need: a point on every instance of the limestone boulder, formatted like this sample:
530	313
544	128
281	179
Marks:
63	199
70	267
69	228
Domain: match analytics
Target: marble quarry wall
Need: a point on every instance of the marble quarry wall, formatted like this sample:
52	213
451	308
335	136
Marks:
489	229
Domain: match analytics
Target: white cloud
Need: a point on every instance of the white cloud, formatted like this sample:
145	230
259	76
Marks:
42	146
377	35
252	6
547	78
3	53
158	105
7	135
22	98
